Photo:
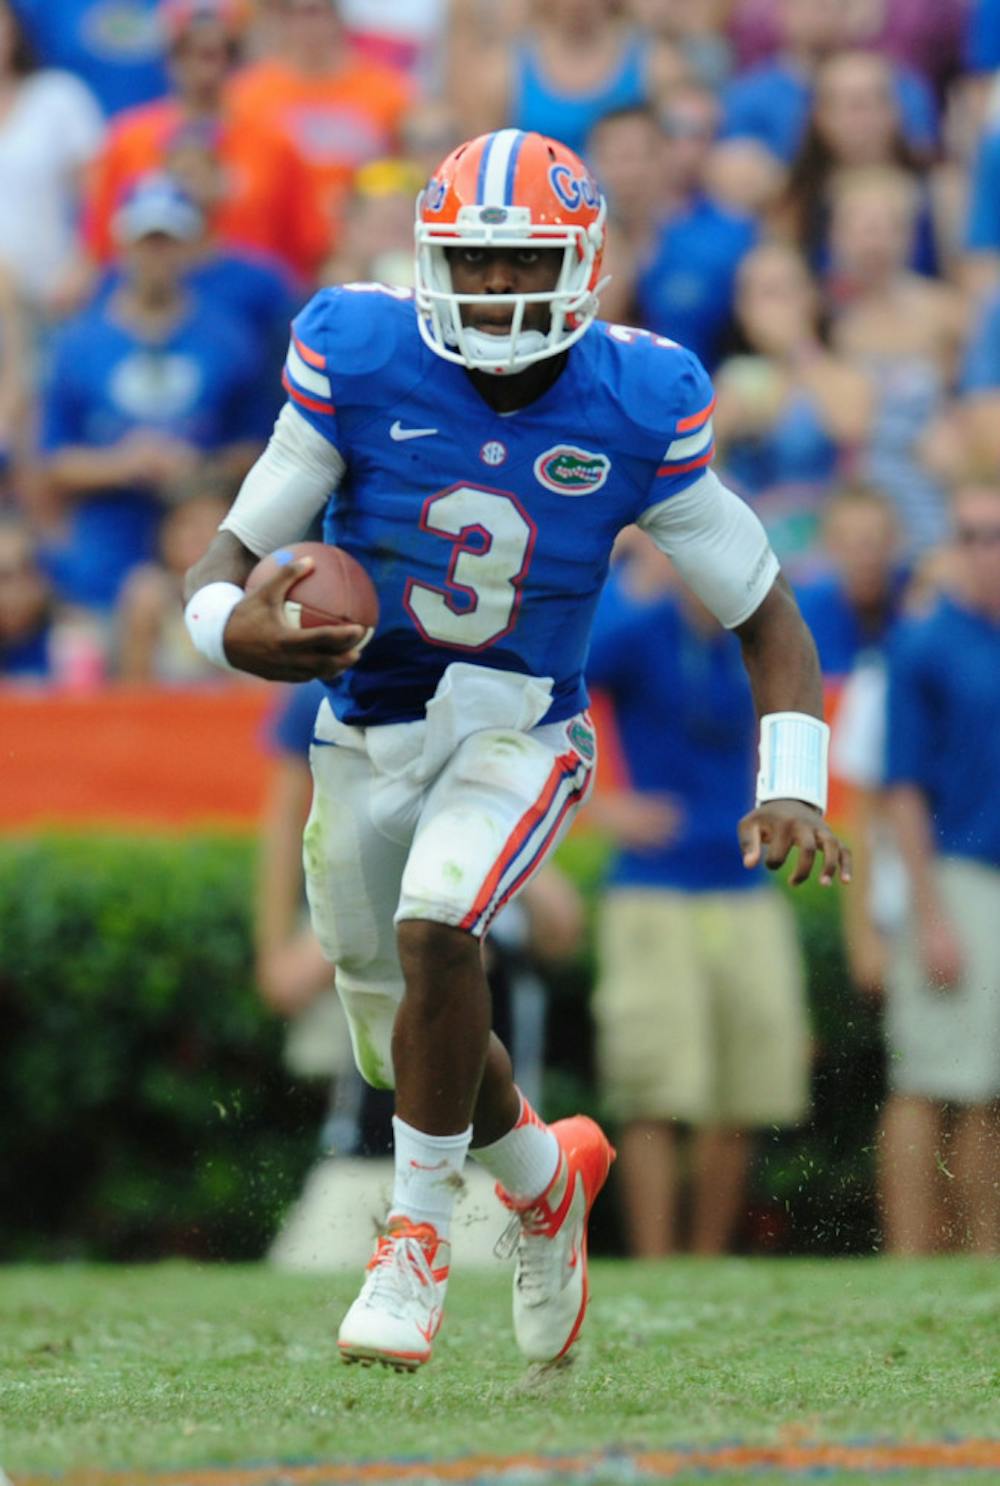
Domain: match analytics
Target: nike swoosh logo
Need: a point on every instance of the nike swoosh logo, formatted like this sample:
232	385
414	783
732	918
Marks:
430	1331
398	433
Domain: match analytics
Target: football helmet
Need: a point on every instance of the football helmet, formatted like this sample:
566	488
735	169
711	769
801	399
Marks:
513	190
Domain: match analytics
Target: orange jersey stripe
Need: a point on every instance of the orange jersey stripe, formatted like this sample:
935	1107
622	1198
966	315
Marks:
691	422
529	820
691	464
311	358
312	403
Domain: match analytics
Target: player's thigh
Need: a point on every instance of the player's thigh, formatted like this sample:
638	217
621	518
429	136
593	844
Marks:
352	870
651	1007
492	817
353	874
761	1019
945	1043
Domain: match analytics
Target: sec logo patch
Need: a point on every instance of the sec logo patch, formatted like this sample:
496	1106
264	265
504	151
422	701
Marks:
571	471
493	452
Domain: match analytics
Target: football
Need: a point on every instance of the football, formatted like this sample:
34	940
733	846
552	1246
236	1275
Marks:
336	591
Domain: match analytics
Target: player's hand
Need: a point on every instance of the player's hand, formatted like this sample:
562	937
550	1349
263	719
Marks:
868	961
259	639
940	951
637	819
769	833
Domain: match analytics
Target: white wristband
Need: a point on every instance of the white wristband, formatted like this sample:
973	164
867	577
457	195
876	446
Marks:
793	758
206	614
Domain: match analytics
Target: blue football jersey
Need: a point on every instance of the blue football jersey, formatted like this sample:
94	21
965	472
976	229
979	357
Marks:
487	535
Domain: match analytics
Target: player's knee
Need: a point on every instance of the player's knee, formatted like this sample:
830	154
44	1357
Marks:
430	951
370	1019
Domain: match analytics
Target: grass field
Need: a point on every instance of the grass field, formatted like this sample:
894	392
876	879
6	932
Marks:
176	1366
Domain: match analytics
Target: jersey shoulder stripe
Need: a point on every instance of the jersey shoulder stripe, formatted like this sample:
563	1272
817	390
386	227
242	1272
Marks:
691	453
311	357
695	420
314	404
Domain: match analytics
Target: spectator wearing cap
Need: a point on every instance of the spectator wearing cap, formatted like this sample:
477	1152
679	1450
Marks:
269	203
943	1011
50	128
117	49
337	109
150	389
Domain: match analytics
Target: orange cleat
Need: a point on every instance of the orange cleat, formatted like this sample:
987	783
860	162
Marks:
549	1236
398	1313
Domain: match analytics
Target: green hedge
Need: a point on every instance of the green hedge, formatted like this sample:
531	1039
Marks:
145	1107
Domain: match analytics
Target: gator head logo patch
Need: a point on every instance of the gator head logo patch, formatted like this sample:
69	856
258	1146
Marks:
571	471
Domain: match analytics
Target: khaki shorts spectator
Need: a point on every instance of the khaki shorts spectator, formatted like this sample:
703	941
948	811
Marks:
945	1043
699	1008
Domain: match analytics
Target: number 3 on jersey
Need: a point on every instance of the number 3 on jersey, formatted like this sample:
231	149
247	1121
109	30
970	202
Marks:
492	539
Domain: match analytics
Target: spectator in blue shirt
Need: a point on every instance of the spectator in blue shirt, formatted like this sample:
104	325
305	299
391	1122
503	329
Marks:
851	608
150	389
769	105
26	630
676	247
943	782
116	46
854	122
699	999
981	52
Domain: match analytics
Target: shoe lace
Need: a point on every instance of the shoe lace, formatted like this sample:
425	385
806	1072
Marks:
537	1262
400	1275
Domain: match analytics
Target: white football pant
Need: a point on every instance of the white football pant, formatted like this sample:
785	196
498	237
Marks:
445	819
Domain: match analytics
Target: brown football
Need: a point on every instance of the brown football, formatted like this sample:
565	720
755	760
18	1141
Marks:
336	591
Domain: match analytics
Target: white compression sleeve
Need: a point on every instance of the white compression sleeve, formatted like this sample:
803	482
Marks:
718	546
290	483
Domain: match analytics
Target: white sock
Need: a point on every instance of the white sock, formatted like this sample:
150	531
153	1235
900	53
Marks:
525	1160
428	1174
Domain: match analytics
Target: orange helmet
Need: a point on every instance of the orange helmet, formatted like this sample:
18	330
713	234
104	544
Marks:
512	190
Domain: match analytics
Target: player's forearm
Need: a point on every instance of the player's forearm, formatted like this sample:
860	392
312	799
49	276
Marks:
80	470
279	863
225	561
780	656
911	823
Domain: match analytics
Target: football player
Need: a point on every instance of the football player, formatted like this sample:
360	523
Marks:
477	444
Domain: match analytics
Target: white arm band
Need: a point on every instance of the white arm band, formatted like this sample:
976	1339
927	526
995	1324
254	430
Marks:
288	486
206	614
793	758
718	546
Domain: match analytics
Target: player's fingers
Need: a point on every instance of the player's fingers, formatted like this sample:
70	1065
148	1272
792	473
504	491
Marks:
780	844
846	862
290	570
750	841
831	856
805	839
328	639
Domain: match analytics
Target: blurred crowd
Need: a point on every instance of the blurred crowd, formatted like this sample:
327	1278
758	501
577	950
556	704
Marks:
807	193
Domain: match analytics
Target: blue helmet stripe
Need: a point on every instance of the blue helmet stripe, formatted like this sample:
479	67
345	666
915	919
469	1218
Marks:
508	188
